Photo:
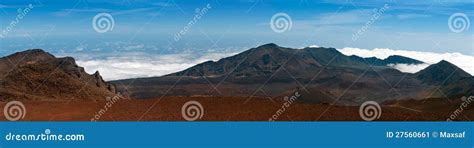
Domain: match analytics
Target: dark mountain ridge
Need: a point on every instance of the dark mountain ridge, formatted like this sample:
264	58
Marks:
267	58
442	73
322	74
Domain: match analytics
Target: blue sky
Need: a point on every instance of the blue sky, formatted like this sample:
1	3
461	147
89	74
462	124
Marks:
145	27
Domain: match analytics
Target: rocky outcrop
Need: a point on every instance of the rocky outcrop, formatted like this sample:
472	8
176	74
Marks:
37	75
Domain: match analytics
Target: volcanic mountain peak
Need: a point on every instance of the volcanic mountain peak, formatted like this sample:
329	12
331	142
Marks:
272	47
31	55
442	73
32	52
269	49
268	58
444	63
397	59
269	45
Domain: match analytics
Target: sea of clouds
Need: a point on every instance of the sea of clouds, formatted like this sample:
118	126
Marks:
124	66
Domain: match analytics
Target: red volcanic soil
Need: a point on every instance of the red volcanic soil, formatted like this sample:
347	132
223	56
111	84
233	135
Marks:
232	109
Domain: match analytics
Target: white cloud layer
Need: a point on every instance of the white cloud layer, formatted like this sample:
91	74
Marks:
409	68
123	67
462	61
143	65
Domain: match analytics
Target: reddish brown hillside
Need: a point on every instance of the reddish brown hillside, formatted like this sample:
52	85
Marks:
38	75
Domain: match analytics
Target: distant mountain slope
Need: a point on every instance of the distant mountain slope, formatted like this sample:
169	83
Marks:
396	59
38	75
442	73
268	58
451	79
464	86
323	75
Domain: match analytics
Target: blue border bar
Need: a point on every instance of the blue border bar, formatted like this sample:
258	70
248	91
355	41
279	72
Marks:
238	134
